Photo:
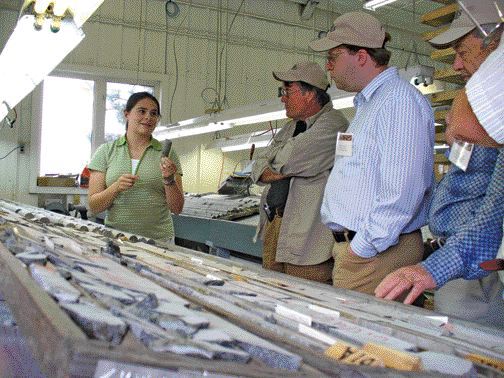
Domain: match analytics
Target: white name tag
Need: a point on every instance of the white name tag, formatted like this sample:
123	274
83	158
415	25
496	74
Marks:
460	154
344	144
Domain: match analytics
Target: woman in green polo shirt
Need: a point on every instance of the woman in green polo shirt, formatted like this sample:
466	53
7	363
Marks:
132	181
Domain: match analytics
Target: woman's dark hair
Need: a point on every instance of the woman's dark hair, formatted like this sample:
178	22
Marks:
135	97
381	56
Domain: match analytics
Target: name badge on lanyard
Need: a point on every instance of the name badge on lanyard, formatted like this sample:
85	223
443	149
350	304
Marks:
344	144
460	154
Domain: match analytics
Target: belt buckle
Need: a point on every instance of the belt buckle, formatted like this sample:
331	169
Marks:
269	214
436	243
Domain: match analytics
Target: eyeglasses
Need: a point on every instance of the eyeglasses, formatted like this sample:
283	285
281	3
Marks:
141	112
331	58
282	91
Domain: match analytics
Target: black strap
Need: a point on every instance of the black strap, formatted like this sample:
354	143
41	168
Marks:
343	236
300	128
279	190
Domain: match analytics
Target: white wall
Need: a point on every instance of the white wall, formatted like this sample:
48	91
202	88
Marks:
135	35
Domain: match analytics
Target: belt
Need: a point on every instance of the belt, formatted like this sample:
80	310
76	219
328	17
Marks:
435	244
492	265
272	211
343	236
279	212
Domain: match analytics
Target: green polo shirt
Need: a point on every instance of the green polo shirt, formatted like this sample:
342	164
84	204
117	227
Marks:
141	209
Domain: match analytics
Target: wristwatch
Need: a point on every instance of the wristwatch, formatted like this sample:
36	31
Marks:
170	180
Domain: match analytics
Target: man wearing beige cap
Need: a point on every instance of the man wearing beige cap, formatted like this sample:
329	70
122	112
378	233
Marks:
376	197
295	168
466	213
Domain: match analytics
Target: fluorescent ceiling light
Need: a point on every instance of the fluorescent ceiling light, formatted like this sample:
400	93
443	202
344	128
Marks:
30	55
265	111
265	117
245	146
373	4
243	142
182	131
343	102
82	10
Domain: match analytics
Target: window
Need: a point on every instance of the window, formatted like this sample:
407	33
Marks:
78	114
67	124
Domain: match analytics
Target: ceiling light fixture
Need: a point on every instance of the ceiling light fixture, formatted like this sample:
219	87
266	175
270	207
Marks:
243	142
184	131
265	111
373	4
39	42
30	55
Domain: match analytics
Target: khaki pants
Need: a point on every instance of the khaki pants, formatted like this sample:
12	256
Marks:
320	272
364	275
478	301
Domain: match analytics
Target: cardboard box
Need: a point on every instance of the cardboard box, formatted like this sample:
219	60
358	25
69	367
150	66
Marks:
64	181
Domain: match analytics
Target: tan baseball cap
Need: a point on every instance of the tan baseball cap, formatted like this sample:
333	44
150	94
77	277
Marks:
483	11
307	72
352	28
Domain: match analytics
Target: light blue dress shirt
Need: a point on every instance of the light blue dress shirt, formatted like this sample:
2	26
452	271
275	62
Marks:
384	188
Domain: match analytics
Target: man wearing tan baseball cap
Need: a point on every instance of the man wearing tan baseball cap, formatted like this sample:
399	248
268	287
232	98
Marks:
483	11
467	40
376	197
294	169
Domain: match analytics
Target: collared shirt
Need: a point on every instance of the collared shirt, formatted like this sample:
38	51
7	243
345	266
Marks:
468	208
307	159
142	209
384	188
486	95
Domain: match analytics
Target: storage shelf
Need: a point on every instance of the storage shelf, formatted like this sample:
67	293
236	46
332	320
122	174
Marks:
440	138
446	2
441	159
58	190
444	55
440	16
427	36
440	116
444	98
449	75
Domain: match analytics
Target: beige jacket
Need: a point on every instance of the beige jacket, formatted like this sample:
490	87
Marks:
308	159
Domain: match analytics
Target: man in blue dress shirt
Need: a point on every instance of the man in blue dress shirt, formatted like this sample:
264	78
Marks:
468	205
377	195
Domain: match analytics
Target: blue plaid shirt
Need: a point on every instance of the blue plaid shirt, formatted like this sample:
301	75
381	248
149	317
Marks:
468	209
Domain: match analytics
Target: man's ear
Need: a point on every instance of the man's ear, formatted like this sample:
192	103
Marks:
362	57
494	43
312	95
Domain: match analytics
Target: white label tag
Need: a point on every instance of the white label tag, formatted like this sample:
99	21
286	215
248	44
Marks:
304	329
325	311
460	154
344	144
293	315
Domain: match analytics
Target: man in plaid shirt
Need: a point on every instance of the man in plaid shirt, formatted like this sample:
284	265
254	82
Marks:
468	206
